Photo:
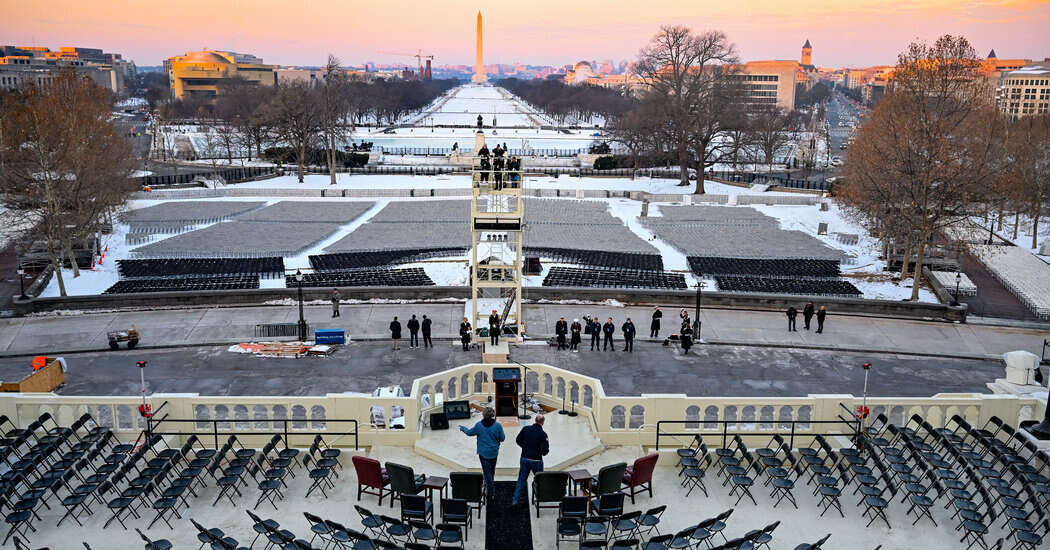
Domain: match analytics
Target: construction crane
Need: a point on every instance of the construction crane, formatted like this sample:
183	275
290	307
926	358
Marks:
420	56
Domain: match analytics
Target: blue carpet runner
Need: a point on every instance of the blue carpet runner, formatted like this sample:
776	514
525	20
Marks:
507	527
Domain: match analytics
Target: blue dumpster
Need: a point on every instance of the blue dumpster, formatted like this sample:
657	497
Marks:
330	336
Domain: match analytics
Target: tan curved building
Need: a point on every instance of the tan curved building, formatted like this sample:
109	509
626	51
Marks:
200	73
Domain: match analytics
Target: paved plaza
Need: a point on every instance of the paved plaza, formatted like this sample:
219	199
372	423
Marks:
53	333
747	353
723	371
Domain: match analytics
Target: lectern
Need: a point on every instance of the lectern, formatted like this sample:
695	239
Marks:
508	392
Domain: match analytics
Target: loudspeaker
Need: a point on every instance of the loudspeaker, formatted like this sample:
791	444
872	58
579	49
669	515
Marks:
438	421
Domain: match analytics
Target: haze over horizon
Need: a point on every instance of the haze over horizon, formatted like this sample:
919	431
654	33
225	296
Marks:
843	33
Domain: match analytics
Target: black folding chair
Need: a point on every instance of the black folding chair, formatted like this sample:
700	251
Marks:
160	544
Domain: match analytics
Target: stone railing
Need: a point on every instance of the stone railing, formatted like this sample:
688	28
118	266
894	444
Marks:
616	420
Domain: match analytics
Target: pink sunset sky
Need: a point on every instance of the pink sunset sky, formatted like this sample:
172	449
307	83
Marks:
555	32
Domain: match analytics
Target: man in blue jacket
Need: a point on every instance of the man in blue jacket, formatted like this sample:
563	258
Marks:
490	435
534	446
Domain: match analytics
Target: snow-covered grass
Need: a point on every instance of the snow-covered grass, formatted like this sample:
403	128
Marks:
865	271
374	181
94	279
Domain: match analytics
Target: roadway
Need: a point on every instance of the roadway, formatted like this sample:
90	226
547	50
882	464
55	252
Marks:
362	366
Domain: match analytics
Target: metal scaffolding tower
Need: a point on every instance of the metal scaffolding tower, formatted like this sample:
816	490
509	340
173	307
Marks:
497	216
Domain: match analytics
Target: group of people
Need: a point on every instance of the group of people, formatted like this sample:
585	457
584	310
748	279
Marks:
495	328
532	439
499	165
569	336
807	315
415	326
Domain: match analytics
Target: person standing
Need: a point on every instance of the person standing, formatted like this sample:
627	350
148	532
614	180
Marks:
490	434
574	340
807	314
596	334
335	302
686	336
464	334
494	328
534	446
413	332
791	314
608	328
561	328
427	343
395	333
628	335
654	327
821	314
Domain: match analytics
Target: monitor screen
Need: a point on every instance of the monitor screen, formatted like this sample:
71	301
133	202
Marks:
503	374
456	410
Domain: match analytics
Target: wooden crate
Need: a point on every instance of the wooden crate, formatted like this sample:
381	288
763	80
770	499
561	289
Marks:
45	379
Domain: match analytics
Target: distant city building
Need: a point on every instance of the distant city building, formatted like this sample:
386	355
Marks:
22	65
200	74
777	82
583	73
1025	91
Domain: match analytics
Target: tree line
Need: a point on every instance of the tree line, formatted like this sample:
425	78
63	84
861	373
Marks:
936	153
569	103
695	109
64	166
244	117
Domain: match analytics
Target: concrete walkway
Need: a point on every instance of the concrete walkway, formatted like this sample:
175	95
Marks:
191	327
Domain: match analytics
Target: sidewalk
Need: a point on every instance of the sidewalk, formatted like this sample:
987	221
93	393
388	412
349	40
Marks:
193	327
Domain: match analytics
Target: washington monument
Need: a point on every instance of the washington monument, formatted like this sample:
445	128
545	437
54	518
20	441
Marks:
479	63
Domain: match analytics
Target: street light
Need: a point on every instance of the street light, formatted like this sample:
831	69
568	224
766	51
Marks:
700	284
864	401
958	279
302	320
22	282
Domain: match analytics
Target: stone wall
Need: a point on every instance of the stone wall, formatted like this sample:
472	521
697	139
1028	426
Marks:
671	298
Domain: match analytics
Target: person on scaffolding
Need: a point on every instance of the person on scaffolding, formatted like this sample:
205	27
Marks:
497	167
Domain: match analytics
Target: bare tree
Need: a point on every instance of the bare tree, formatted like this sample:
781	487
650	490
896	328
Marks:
931	147
335	107
296	120
686	75
636	130
770	130
66	166
1029	168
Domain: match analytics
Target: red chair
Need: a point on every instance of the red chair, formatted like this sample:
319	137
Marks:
372	475
639	476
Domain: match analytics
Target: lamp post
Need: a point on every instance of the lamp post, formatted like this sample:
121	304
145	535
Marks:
22	282
864	403
144	409
958	279
302	320
700	284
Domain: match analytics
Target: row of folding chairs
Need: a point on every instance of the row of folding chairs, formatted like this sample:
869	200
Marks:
382	531
266	267
625	260
772	285
413	276
809	268
612	278
190	284
342	261
986	474
46	461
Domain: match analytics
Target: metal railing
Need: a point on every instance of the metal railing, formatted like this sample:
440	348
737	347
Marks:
154	427
778	427
230	175
274	330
